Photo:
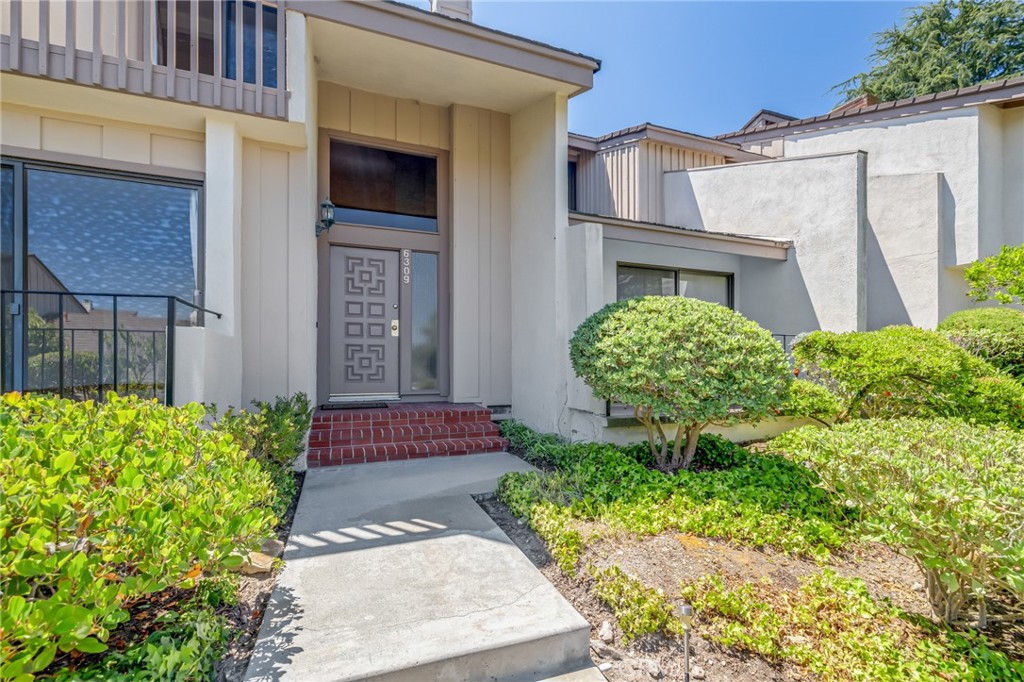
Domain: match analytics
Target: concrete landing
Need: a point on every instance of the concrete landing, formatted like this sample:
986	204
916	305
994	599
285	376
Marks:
394	573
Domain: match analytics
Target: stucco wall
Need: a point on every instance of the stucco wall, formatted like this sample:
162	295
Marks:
1013	175
818	203
539	139
947	142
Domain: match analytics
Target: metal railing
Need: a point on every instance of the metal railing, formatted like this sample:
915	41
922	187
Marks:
227	54
82	349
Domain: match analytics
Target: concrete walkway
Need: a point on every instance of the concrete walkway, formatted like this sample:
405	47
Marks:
394	573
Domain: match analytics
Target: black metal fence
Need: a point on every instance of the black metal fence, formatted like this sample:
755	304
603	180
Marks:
82	345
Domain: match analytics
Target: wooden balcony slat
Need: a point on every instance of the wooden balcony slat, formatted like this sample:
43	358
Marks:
172	45
44	36
193	57
280	56
218	49
97	43
239	53
16	35
122	46
69	40
258	54
148	52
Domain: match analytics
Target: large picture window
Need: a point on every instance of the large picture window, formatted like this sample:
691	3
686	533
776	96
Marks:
88	260
633	281
383	188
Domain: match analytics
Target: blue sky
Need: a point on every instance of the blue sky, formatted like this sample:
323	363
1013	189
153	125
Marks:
703	67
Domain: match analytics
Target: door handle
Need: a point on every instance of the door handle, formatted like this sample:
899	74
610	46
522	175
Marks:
394	327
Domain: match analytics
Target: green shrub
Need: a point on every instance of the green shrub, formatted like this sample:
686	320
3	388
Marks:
536	448
274	435
185	648
905	372
999	277
945	493
104	504
993	334
690	361
714	453
813	401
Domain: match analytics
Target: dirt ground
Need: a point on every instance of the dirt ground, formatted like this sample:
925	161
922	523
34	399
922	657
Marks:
247	616
666	560
651	657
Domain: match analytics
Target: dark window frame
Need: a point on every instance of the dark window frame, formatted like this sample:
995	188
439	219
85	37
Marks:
729	277
23	165
573	173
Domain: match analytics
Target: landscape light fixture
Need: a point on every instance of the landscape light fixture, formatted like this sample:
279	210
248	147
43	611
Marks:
326	216
686	619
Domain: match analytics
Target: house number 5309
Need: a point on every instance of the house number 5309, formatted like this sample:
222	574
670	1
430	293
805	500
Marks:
406	265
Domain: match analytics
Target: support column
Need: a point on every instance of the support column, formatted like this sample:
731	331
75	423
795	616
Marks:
540	218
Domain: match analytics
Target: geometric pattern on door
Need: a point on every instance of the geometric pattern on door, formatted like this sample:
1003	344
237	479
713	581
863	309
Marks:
364	301
364	362
365	276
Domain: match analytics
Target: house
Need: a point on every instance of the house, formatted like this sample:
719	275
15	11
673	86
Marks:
373	202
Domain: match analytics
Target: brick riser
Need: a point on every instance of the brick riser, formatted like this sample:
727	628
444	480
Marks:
401	432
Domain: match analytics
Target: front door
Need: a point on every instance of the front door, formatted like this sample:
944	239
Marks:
364	323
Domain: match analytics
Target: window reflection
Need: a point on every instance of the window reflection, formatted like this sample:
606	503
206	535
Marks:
424	321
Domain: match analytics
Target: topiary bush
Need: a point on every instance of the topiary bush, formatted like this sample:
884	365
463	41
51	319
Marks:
811	400
992	334
906	371
105	503
945	493
691	362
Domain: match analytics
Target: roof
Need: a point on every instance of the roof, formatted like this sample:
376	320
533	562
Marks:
650	131
766	112
651	233
974	95
497	32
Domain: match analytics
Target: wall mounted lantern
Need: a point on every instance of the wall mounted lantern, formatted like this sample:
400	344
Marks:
326	216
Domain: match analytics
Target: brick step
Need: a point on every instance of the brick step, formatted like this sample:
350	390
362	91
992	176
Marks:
406	417
389	452
367	435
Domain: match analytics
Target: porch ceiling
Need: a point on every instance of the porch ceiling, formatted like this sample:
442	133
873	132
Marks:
379	63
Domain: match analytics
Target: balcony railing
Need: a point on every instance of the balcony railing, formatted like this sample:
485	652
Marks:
83	345
227	54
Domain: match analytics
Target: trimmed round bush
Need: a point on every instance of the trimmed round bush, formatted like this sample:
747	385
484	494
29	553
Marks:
691	362
993	334
908	372
945	493
105	503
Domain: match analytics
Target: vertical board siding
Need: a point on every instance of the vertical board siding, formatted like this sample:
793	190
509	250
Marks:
481	257
626	181
399	120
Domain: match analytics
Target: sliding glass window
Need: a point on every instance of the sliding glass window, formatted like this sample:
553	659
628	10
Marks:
633	281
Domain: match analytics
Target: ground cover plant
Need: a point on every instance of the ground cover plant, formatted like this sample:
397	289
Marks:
594	500
908	372
120	520
689	362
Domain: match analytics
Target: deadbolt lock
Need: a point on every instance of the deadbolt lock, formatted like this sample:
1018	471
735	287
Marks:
394	327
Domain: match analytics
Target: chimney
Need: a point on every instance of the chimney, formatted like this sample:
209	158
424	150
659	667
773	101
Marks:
858	103
456	9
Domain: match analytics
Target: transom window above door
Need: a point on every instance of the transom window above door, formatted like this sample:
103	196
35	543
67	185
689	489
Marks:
383	188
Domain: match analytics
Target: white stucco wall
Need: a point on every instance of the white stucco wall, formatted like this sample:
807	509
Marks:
818	203
1013	175
540	216
948	142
